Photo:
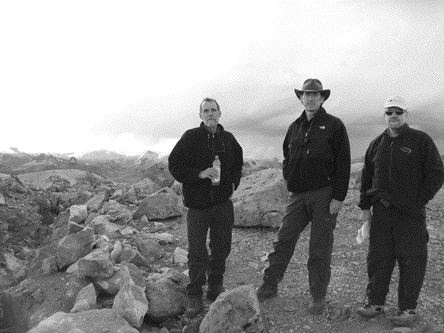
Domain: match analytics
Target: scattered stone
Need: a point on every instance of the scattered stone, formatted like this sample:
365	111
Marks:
235	310
74	246
92	321
131	303
180	256
78	213
86	299
49	265
96	202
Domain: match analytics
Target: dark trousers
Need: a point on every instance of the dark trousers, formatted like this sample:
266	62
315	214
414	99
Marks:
219	220
302	208
396	237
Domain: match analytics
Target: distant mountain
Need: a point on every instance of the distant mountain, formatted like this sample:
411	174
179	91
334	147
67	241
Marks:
104	155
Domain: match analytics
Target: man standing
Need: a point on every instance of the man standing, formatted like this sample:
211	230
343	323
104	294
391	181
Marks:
402	172
208	199
316	168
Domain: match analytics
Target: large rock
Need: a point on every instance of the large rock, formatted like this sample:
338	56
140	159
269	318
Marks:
166	298
235	310
131	303
144	188
92	321
159	174
97	201
86	299
161	205
78	213
60	180
252	165
261	199
96	265
72	247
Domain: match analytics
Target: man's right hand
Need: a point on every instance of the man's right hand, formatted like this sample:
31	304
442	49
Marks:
210	173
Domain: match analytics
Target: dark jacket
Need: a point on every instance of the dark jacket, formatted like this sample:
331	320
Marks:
317	154
195	152
405	171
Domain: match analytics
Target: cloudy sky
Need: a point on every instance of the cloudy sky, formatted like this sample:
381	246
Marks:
128	76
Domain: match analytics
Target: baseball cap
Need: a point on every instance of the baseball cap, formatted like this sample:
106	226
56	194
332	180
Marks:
396	101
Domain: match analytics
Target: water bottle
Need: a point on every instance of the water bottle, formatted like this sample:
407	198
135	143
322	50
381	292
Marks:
216	165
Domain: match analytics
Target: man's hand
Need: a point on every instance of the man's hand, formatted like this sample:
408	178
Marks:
335	206
210	173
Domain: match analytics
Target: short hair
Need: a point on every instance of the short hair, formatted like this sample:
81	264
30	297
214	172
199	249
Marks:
208	99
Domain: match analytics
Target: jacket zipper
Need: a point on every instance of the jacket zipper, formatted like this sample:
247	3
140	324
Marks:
390	164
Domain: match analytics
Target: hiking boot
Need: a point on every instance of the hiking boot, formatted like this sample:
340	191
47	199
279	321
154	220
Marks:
214	291
317	306
266	291
371	310
194	306
404	317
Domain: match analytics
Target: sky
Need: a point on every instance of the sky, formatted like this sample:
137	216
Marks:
128	76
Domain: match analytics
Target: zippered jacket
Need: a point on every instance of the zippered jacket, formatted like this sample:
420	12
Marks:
317	154
404	171
195	152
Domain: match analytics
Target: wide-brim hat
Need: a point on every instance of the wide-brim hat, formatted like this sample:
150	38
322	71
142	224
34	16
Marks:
313	85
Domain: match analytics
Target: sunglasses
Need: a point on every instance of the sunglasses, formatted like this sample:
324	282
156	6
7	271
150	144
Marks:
389	113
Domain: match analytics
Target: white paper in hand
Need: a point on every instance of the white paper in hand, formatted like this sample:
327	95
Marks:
363	232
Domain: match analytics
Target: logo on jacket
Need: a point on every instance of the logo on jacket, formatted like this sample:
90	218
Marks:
406	150
322	127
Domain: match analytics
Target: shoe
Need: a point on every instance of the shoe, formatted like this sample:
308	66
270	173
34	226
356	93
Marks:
371	310
214	291
403	317
194	306
266	291
317	306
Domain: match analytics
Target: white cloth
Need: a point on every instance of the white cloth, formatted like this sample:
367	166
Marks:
363	232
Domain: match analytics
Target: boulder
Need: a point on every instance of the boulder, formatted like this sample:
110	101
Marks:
92	321
96	265
74	246
149	248
86	299
159	174
131	303
142	189
261	199
166	298
97	201
78	213
161	205
236	310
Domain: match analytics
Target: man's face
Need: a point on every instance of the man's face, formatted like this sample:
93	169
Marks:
312	101
209	114
394	120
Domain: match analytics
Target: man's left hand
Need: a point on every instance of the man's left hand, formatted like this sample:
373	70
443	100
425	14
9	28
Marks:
335	206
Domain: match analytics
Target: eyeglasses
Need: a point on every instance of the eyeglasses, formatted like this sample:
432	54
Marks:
389	113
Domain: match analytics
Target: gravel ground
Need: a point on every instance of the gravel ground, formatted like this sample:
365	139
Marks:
287	312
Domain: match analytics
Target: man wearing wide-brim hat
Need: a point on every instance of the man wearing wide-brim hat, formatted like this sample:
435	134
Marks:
316	168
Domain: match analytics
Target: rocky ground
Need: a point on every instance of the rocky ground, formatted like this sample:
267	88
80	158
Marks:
287	312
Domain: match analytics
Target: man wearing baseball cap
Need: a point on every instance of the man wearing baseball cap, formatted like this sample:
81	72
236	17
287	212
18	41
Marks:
402	172
316	168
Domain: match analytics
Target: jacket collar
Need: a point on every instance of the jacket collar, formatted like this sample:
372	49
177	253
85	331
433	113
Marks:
220	128
401	131
319	115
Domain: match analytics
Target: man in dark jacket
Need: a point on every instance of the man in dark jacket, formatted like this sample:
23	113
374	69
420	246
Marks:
210	205
402	172
316	168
